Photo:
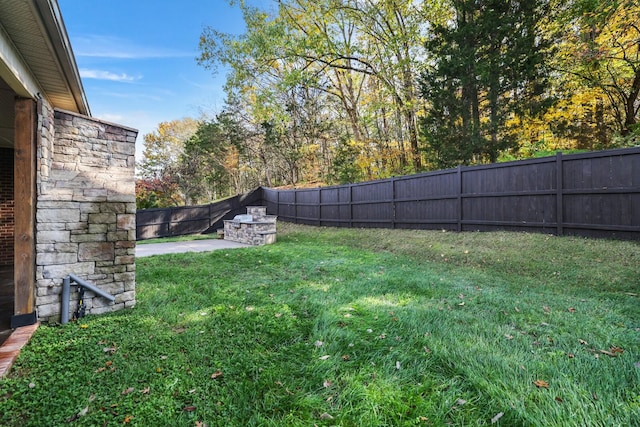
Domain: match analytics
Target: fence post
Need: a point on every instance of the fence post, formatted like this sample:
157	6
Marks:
393	202
319	206
459	197
559	191
350	205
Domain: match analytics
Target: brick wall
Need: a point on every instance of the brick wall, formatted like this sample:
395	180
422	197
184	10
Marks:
6	206
85	217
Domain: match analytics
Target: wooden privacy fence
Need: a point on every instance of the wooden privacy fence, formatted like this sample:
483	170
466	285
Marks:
592	194
177	221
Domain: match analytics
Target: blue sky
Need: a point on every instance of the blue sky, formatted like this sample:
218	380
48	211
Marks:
137	57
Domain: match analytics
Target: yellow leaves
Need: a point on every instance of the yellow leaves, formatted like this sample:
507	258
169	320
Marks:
541	384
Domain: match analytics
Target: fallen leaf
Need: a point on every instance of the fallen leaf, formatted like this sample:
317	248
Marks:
425	419
541	384
127	391
559	399
108	363
345	357
325	357
84	326
318	343
461	402
100	370
82	413
327	384
325	416
583	342
517	310
571	355
200	424
509	337
571	310
426	349
216	374
145	390
616	350
546	309
497	417
128	419
382	336
189	408
608	353
109	350
397	365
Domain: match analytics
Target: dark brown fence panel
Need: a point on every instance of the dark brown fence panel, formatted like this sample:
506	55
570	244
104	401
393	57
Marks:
592	194
602	194
183	220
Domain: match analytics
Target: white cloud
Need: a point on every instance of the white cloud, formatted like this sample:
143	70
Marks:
106	75
97	46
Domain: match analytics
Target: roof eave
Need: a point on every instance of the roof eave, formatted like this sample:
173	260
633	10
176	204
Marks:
54	27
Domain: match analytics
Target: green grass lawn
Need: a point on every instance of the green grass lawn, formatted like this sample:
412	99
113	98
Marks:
353	328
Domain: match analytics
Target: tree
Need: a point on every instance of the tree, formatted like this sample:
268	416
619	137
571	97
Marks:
602	50
487	65
161	160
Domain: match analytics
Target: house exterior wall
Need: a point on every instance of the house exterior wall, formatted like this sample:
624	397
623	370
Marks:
85	211
6	206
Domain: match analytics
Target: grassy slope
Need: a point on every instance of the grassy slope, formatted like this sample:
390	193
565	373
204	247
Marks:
420	328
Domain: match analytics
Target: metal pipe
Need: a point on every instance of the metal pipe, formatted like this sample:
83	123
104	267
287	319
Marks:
66	291
92	288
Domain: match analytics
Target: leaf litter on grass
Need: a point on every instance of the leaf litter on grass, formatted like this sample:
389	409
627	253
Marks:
465	353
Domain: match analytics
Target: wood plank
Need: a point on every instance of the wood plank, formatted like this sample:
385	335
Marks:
25	205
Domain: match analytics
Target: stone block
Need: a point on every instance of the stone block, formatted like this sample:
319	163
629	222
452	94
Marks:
83	238
57	215
97	228
52	236
102	218
126	221
111	207
56	258
48	310
118	235
48	299
95	251
129	259
62	271
125	296
108	309
124	277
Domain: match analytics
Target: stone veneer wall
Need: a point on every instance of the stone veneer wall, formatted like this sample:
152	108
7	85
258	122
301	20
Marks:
85	212
6	206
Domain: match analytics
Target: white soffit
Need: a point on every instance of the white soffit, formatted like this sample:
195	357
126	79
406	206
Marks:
36	55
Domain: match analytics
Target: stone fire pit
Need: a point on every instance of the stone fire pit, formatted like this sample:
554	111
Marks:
253	228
